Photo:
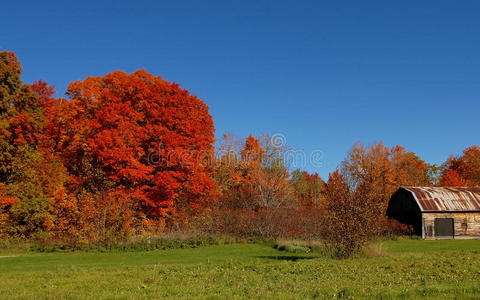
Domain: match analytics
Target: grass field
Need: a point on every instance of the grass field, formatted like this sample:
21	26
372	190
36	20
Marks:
405	269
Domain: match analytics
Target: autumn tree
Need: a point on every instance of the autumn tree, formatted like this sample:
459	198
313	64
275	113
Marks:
54	178
350	218
379	171
408	168
264	174
141	137
55	111
371	169
21	118
252	156
451	178
252	175
272	178
257	193
463	170
235	171
227	171
21	125
308	188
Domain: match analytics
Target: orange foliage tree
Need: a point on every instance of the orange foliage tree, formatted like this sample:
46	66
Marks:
140	136
350	218
378	171
255	174
257	194
308	189
451	178
463	170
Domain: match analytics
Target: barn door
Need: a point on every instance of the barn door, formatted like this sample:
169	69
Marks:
444	227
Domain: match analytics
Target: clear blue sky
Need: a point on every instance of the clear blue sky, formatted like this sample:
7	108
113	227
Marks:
323	73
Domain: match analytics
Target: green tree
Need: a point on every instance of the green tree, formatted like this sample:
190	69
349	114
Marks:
21	124
308	188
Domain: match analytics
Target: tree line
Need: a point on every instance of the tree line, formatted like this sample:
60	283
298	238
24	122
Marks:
132	154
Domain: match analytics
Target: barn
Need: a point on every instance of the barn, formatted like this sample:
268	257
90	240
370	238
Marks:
438	212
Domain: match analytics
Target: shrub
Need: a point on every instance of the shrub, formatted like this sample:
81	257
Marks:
265	223
350	219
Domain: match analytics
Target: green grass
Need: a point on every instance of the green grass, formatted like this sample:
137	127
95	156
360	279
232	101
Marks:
408	269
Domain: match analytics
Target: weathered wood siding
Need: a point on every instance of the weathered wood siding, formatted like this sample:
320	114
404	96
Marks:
465	224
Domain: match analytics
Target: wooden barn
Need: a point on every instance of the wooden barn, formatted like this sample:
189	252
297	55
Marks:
438	212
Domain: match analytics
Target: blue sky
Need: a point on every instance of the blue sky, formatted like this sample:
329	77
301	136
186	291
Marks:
325	74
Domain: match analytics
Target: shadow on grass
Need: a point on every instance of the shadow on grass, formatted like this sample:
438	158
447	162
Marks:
287	257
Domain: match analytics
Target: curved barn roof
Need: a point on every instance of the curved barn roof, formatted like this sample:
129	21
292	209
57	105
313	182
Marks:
446	198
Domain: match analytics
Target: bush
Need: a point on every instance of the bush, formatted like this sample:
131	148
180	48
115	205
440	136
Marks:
265	223
350	219
394	227
138	243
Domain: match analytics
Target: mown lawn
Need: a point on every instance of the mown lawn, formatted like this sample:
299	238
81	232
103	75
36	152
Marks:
407	269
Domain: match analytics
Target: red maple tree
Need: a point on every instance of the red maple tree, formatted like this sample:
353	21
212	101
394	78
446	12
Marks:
141	136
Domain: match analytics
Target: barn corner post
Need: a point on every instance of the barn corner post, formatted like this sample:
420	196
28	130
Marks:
423	228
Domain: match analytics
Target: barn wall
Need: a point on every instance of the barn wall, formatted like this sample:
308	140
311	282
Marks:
466	225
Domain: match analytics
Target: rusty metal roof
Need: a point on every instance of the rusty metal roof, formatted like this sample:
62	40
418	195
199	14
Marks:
446	198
